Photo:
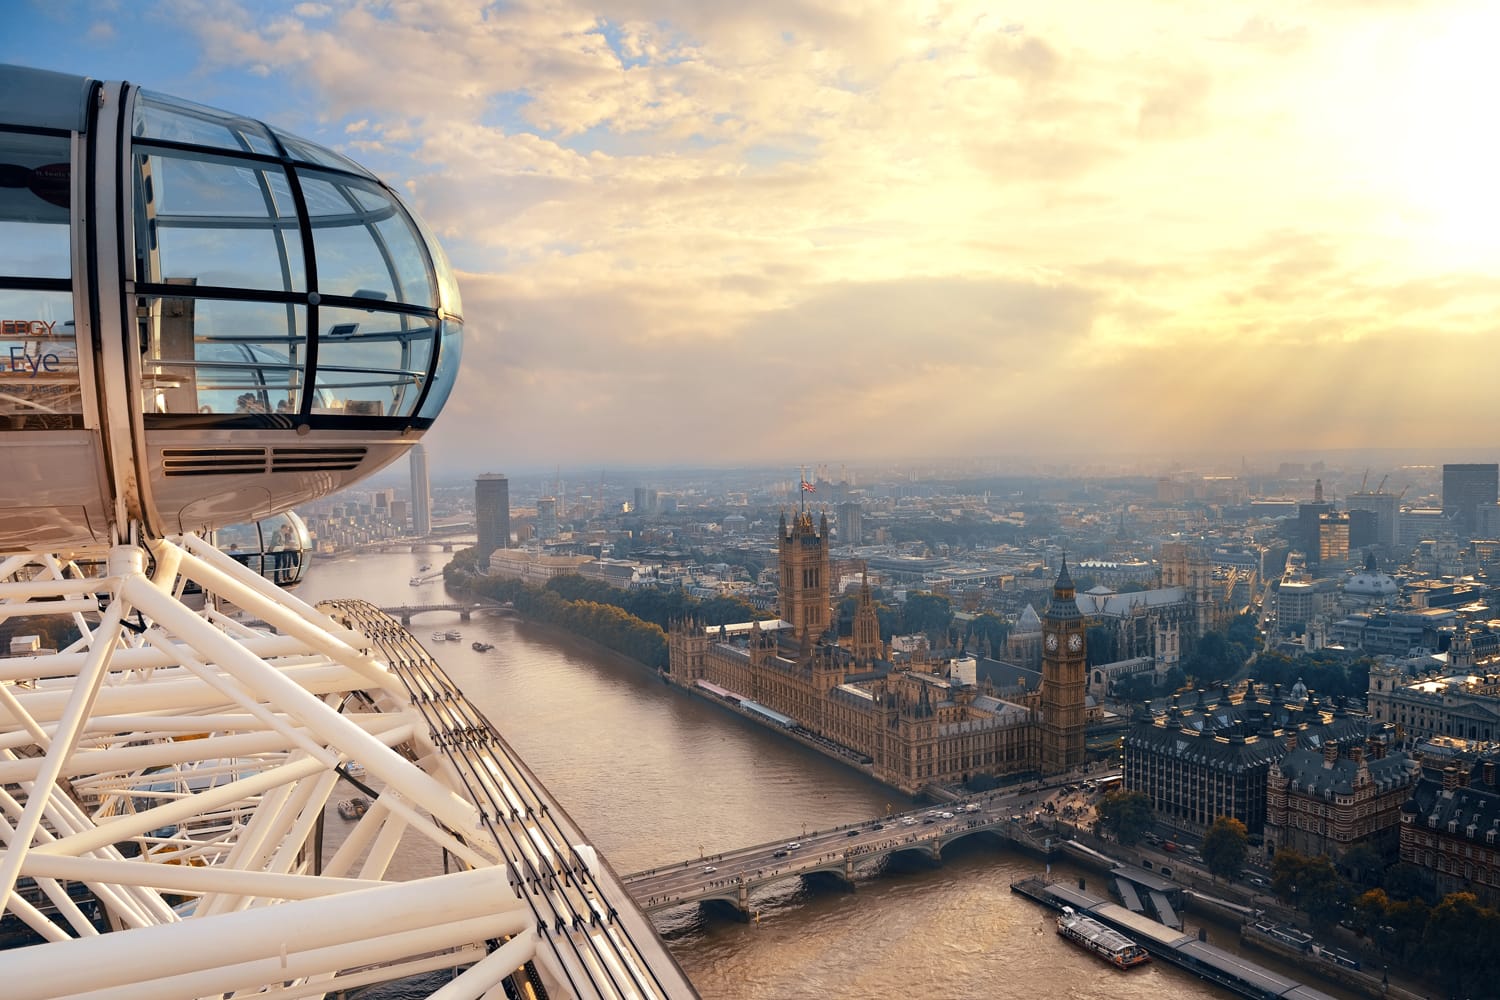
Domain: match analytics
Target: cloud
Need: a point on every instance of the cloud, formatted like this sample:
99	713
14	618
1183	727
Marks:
688	229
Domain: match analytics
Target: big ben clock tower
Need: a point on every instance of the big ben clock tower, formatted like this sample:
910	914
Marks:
1064	676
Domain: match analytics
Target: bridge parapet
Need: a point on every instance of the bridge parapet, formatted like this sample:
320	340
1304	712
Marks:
836	854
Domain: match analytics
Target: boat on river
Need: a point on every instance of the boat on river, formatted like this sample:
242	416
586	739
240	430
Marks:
439	637
482	647
453	635
1106	942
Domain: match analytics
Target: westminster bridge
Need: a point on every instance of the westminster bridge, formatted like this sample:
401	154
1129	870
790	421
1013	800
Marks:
834	854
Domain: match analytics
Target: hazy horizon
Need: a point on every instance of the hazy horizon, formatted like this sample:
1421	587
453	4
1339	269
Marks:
711	235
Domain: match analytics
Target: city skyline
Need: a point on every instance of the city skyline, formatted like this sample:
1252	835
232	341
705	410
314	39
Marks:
1068	230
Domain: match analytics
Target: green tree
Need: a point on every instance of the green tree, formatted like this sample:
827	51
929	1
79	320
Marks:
1370	911
1458	944
1126	816
1364	864
929	614
1311	884
1225	847
1136	687
1405	881
1406	919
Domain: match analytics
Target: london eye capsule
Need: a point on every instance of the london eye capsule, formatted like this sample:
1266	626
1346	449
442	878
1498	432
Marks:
204	320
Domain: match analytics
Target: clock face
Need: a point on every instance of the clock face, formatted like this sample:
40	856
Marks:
1075	642
1051	640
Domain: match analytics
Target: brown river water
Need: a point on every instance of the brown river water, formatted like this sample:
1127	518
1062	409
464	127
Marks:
655	776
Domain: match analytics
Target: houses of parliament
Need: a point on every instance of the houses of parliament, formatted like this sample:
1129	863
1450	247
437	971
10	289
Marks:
913	721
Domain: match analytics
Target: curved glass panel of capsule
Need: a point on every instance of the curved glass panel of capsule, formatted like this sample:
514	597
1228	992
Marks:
39	378
279	284
277	548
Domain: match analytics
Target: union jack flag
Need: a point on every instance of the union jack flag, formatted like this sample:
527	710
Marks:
808	487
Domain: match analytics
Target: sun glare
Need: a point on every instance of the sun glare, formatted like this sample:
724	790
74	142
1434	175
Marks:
1446	150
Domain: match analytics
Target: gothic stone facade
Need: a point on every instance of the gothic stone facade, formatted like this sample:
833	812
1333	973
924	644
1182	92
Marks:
914	726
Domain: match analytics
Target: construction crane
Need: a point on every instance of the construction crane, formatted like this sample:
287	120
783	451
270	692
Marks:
1364	480
1382	482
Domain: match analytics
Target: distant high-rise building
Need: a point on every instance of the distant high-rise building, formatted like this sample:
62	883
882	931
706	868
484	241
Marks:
645	500
492	513
1364	529
851	526
546	518
1333	539
421	492
1466	488
1423	524
1387	511
1310	525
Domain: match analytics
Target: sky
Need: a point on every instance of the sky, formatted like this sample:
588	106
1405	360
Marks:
730	234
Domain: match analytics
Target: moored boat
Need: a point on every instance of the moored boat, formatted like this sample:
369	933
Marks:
454	635
1106	942
439	636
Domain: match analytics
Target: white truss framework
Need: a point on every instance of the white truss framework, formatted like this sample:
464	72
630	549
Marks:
164	782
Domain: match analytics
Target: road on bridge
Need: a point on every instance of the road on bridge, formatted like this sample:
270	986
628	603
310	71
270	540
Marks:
730	875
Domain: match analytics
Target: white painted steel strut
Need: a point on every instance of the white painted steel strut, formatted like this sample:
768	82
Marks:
171	782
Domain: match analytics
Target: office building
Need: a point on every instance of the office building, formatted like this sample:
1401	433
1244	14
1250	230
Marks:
491	514
1450	825
421	492
1364	530
1326	799
1333	539
1387	510
1309	527
851	527
1466	488
1420	524
645	500
1212	756
546	518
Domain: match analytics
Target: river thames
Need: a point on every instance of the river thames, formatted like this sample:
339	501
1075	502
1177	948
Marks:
654	776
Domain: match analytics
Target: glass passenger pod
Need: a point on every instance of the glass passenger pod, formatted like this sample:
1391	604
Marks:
297	327
277	548
288	325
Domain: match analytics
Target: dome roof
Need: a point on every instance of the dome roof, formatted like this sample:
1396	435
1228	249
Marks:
1370	584
1029	621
